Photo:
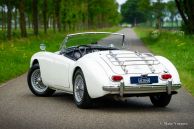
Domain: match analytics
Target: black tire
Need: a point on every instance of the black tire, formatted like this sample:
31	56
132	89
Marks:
86	101
47	91
161	100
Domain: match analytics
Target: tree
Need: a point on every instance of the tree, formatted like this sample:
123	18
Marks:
22	18
35	16
146	6
3	17
45	9
158	8
186	9
84	14
57	14
9	18
71	14
28	12
15	17
172	9
131	12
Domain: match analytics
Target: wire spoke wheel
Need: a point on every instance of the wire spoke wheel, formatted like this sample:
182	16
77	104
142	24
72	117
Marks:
79	88
80	92
36	81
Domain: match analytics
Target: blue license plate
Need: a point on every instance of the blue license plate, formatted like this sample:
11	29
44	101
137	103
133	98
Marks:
144	80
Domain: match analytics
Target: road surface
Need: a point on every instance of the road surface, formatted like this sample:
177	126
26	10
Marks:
20	109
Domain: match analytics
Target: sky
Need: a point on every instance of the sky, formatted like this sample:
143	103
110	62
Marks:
121	1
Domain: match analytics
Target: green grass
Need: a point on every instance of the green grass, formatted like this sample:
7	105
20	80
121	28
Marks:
15	54
175	46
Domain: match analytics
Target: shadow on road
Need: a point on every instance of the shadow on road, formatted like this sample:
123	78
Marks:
132	104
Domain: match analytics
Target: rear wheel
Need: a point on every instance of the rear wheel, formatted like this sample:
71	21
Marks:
161	100
80	93
35	82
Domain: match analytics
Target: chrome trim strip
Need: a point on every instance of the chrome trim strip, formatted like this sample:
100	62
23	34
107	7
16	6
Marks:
70	35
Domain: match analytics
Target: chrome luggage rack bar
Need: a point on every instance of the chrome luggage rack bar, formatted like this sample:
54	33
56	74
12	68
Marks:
128	59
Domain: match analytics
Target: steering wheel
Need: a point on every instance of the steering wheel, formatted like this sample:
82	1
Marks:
85	50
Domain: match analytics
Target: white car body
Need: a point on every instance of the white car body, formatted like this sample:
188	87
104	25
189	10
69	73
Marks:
57	72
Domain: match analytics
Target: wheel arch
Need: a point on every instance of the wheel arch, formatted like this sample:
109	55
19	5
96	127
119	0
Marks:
35	61
74	71
95	77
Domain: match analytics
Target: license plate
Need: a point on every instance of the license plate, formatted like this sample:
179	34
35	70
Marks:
144	80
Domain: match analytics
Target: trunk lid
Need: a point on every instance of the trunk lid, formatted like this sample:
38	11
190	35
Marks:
133	64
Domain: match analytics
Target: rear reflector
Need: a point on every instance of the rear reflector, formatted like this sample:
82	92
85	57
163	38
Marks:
117	78
166	76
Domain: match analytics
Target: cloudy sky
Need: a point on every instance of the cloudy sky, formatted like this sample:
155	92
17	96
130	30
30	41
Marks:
121	1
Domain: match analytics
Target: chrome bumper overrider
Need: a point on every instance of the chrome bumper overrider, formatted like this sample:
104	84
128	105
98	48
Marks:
122	89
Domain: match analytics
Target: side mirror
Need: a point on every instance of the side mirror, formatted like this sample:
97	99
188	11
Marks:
42	47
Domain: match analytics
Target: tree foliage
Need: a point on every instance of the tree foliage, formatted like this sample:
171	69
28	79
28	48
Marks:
60	15
158	9
131	12
151	11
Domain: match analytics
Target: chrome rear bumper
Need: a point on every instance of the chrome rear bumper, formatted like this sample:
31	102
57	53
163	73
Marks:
139	89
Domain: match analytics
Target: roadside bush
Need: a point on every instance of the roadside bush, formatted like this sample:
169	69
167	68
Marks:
154	35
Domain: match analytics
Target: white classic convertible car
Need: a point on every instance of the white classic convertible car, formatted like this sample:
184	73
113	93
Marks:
92	67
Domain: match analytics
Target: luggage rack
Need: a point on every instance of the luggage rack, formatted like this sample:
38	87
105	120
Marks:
132	58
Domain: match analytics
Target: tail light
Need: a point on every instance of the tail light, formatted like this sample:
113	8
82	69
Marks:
166	76
117	78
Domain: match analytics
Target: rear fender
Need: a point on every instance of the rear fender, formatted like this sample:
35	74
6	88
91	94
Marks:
95	77
171	68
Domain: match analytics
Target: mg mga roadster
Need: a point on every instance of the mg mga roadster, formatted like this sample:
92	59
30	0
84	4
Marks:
94	64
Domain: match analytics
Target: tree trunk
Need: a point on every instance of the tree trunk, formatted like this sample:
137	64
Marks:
158	23
57	14
29	22
3	18
45	15
22	19
186	10
35	16
15	19
54	27
9	18
180	9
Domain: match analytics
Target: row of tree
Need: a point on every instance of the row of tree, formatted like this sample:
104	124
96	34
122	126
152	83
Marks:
67	15
138	11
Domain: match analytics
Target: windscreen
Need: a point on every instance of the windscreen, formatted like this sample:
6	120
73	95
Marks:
105	39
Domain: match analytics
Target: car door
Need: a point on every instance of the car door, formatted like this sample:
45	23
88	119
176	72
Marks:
56	71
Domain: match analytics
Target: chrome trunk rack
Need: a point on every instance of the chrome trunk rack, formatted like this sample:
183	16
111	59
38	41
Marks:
132	58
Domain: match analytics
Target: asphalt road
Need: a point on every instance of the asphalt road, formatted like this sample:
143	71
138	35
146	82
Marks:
20	109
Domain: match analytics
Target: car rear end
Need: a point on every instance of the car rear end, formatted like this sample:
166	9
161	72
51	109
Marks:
136	74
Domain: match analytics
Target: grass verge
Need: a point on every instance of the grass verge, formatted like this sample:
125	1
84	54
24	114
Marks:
15	54
175	46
